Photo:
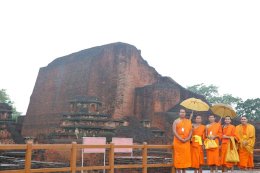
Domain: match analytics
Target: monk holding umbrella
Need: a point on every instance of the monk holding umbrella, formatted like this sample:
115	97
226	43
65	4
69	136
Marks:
188	154
228	134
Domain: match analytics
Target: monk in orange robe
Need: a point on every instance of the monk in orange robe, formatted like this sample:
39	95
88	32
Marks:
246	137
213	132
182	130
227	132
198	134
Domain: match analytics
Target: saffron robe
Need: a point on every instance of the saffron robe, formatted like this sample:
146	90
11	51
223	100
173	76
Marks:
228	131
197	155
246	133
213	157
182	155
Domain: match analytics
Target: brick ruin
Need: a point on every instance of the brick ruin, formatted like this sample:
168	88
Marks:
5	120
129	94
86	118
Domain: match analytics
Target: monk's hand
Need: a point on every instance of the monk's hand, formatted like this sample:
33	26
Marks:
183	140
211	137
180	139
245	143
187	139
225	136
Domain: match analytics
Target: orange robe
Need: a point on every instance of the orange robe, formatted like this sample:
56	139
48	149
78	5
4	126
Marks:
246	133
213	157
197	156
228	131
182	155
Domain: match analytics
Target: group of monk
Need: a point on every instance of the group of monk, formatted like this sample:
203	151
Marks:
189	149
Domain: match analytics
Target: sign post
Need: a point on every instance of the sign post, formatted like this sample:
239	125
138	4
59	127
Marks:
94	141
123	141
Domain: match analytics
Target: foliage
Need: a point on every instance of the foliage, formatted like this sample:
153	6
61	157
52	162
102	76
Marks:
207	91
249	107
4	98
227	99
212	95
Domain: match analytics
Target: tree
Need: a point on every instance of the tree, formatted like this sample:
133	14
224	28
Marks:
250	108
208	91
227	99
4	98
212	95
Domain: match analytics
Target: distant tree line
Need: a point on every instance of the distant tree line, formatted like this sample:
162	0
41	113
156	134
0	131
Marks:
4	98
248	107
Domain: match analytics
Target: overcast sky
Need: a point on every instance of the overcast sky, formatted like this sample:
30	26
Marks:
211	42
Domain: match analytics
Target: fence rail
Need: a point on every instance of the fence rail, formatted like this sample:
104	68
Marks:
29	147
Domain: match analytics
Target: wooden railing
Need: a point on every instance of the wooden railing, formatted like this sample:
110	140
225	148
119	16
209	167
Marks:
29	147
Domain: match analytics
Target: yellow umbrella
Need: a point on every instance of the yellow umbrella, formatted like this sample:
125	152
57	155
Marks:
223	110
195	104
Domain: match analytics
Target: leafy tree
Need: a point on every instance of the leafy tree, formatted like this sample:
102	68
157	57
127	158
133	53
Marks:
212	95
4	98
227	99
207	91
250	108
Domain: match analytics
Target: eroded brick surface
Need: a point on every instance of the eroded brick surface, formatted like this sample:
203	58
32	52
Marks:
116	74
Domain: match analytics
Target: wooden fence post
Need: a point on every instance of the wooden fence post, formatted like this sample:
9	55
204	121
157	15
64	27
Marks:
112	158
173	168
73	157
144	158
28	157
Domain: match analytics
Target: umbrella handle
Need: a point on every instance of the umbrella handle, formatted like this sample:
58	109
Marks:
191	115
220	119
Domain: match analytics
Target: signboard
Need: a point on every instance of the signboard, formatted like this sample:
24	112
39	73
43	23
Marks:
123	141
94	141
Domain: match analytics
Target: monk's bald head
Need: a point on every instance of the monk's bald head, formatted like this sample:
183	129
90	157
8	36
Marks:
198	119
243	120
212	118
182	113
227	119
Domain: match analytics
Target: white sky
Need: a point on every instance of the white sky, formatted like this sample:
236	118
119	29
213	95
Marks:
211	42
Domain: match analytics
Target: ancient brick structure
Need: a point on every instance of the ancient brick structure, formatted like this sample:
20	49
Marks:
85	119
5	120
117	75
